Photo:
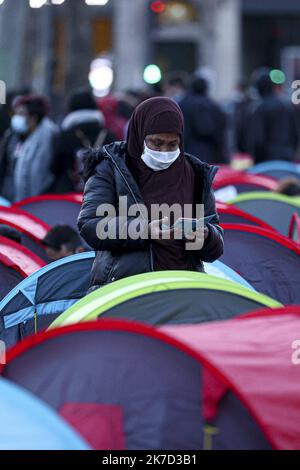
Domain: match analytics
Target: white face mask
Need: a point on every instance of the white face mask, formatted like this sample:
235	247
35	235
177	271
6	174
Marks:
158	161
19	124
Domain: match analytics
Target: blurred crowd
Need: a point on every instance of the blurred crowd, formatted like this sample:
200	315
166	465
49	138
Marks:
41	154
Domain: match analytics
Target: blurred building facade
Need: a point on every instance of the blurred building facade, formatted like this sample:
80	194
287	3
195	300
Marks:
50	49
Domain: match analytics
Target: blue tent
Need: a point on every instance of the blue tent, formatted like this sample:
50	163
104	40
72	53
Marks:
276	169
4	202
34	303
29	424
221	270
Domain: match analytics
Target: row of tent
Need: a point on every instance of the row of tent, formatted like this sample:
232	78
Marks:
262	211
254	258
259	213
40	298
166	360
124	385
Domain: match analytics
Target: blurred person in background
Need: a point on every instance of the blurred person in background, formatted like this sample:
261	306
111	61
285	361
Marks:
115	122
272	132
62	241
205	124
26	156
238	109
6	110
175	86
289	187
129	100
82	128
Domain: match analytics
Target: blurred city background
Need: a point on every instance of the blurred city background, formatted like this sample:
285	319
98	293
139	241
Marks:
49	46
219	59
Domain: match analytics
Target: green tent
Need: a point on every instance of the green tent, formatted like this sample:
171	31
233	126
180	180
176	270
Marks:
172	297
275	209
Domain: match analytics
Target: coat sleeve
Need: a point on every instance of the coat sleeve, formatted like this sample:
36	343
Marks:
214	245
107	232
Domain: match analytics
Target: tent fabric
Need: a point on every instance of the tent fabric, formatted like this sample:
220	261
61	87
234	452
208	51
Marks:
107	420
276	169
10	276
40	298
154	380
224	172
266	259
173	297
294	230
230	214
219	269
26	261
4	202
31	229
29	424
275	209
53	209
15	264
244	182
271	388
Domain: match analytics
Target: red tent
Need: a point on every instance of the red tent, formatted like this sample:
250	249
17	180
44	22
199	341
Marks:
53	209
230	214
245	182
23	259
294	231
16	263
32	230
269	261
256	356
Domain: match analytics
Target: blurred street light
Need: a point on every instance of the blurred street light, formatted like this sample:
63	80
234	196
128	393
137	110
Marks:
40	3
37	3
96	2
152	74
158	7
277	76
101	76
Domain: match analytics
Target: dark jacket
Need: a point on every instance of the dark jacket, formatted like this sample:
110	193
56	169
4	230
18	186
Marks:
68	142
8	145
272	130
205	129
107	178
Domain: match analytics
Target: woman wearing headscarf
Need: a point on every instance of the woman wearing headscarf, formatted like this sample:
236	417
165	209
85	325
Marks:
149	168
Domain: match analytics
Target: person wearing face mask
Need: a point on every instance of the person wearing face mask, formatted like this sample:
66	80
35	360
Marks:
26	165
149	168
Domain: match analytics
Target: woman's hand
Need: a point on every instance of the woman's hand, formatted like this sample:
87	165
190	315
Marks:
198	237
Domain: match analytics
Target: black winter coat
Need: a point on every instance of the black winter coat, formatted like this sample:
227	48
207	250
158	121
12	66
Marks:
205	132
107	178
273	132
67	144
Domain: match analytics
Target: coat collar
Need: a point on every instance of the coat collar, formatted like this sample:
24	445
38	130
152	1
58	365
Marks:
118	151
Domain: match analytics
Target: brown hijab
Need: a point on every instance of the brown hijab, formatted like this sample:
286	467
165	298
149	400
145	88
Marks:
173	185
